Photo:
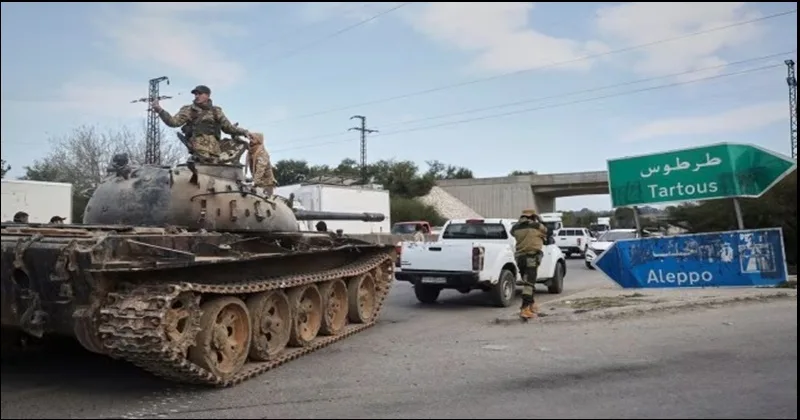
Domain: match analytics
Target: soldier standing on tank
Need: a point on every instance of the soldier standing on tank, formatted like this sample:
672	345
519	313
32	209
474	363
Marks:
530	234
202	122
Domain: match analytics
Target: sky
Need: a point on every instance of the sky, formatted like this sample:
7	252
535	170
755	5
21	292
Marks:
494	87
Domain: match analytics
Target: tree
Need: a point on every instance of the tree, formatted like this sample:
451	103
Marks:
439	170
81	159
4	168
404	209
776	208
517	173
401	178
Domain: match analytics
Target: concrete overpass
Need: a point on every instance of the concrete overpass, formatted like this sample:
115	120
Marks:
506	196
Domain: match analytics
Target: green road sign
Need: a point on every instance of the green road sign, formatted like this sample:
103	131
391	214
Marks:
701	173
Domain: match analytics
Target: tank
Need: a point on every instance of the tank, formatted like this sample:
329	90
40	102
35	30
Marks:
193	274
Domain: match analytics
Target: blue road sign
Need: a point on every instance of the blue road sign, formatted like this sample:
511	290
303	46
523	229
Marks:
734	258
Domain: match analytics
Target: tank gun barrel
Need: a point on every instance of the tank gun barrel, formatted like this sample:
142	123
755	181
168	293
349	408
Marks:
332	215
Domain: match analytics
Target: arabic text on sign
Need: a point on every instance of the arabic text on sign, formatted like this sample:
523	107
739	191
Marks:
682	166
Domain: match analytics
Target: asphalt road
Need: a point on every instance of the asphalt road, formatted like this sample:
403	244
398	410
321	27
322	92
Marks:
447	361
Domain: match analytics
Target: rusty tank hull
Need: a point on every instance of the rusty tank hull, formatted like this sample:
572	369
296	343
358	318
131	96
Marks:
212	286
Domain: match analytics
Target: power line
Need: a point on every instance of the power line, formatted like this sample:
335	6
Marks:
304	27
556	96
526	110
153	140
337	33
364	131
334	34
555	64
577	92
542	98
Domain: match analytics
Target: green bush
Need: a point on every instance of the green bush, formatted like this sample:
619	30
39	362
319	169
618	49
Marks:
408	209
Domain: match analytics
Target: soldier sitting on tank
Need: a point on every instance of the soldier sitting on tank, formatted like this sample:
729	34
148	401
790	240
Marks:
259	164
21	217
120	165
57	220
202	123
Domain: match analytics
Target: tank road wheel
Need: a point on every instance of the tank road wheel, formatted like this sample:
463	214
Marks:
182	321
306	304
224	340
272	324
363	298
335	307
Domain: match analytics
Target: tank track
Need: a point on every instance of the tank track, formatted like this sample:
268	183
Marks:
132	323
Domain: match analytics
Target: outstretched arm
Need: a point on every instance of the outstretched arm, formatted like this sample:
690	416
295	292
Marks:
542	228
181	118
227	127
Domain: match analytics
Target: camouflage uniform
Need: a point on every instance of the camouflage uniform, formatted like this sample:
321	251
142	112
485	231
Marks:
203	124
530	235
260	165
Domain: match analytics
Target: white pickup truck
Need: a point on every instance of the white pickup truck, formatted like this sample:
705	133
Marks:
573	240
472	254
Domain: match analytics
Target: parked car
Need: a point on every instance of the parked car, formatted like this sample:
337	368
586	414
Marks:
597	246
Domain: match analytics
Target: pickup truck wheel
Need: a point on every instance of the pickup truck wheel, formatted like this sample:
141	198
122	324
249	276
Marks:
426	293
556	284
503	291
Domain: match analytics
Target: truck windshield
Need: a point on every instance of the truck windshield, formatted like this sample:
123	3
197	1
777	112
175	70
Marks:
475	231
403	228
552	227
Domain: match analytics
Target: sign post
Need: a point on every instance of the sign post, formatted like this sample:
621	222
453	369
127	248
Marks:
742	258
725	170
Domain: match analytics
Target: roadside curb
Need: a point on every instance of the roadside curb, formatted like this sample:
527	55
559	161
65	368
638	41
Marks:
556	315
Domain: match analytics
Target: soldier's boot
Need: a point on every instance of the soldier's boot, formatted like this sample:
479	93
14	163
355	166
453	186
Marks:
527	309
527	313
534	308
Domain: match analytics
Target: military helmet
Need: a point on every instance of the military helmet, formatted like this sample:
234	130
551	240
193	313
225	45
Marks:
528	212
201	89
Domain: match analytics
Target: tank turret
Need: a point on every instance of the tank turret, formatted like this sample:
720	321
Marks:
215	197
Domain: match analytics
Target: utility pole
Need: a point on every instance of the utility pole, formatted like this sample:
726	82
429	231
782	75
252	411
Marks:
153	143
791	80
364	130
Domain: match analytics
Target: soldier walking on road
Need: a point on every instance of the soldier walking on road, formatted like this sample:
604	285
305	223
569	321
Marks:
202	122
530	234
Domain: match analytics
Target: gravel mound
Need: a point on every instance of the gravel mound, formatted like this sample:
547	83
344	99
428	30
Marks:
447	205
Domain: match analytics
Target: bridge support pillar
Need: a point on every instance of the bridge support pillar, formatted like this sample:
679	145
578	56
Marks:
544	203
